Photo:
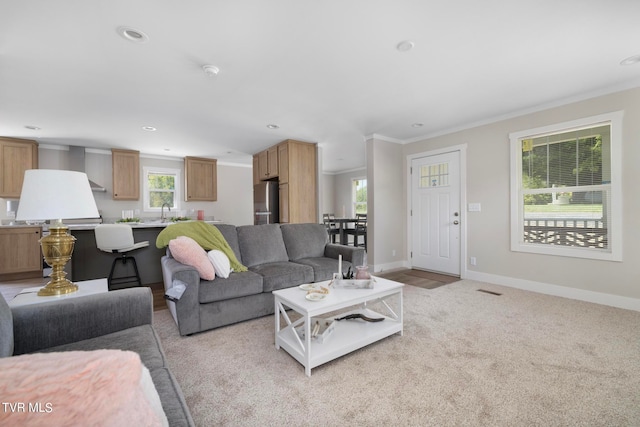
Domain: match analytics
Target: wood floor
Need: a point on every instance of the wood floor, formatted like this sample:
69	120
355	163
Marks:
419	278
422	279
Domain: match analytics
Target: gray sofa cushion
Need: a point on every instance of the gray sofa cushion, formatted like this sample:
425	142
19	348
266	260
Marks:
231	236
237	285
280	275
304	240
6	329
261	244
323	268
141	339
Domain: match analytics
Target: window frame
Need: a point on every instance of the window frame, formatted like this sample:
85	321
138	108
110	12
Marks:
354	202
614	251
176	173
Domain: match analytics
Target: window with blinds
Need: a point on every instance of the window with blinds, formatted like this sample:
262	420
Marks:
563	195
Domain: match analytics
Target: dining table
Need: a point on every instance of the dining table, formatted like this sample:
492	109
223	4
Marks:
342	227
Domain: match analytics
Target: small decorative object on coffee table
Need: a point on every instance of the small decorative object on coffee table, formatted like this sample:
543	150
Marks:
362	272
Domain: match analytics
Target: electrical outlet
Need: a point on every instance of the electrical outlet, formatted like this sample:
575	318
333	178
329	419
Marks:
473	261
393	252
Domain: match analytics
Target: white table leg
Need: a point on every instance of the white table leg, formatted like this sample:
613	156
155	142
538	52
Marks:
277	311
307	346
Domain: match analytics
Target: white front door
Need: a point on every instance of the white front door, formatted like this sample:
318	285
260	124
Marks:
435	212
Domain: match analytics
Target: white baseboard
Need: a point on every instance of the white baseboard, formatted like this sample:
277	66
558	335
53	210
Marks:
377	268
556	290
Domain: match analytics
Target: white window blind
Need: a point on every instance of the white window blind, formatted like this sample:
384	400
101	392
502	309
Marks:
563	191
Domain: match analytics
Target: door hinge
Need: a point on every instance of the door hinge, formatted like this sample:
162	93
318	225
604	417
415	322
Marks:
411	254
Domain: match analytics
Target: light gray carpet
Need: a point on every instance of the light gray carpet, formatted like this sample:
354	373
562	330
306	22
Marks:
466	358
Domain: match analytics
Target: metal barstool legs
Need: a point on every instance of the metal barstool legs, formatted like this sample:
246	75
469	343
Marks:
124	279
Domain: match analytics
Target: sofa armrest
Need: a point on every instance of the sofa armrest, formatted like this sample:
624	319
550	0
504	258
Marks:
186	311
352	254
49	324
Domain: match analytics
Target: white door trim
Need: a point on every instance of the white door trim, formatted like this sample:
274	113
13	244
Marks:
462	149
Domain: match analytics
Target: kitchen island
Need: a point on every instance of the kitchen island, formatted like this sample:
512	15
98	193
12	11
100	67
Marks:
89	262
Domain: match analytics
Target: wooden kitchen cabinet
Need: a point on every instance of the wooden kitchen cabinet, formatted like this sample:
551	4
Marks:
256	170
200	179
283	202
268	163
298	182
20	254
297	179
16	156
126	174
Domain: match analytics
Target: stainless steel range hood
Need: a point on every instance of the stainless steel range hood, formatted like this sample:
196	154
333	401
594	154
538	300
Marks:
77	163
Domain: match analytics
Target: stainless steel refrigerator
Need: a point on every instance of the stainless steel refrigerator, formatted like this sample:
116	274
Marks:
265	203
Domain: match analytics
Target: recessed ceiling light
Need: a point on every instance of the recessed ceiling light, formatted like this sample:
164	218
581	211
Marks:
133	35
149	128
417	125
211	70
272	126
32	127
630	60
405	46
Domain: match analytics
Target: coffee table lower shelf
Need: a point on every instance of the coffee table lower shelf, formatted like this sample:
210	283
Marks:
348	335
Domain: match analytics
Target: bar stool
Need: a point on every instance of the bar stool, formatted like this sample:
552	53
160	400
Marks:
118	239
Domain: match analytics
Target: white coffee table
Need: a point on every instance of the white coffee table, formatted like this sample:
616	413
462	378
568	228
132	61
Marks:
349	335
87	287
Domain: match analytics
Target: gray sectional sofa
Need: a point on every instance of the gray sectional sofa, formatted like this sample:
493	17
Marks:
277	255
112	320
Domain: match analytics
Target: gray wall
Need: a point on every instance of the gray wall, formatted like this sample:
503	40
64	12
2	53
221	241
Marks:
488	231
386	203
342	199
327	194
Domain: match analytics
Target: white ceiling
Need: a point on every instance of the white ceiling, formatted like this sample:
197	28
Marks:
325	71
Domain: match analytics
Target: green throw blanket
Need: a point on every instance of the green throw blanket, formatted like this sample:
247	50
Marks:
206	235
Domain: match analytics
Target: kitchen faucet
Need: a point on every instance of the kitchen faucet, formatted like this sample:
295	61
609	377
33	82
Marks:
162	217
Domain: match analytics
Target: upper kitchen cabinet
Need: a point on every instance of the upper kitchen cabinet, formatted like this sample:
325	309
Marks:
126	174
201	179
16	156
267	162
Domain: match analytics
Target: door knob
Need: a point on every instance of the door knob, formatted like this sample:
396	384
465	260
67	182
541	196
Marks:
456	222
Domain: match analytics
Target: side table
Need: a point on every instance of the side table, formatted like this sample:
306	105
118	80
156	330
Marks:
87	287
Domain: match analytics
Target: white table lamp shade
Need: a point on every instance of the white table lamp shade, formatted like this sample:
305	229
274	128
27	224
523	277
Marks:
55	194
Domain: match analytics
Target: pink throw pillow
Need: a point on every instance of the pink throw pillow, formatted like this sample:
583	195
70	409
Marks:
189	252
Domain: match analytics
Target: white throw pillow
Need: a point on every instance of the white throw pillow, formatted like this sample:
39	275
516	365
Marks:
220	262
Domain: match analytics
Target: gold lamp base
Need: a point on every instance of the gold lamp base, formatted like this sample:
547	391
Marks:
57	248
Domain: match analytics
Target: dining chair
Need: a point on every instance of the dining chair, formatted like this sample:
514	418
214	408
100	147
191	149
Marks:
359	229
329	222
